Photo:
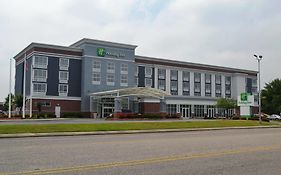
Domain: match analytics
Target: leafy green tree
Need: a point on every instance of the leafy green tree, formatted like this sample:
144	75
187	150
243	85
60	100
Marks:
18	99
271	97
6	103
226	103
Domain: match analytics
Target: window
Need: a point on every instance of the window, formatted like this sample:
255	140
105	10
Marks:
64	64
124	68
185	76
40	62
63	76
208	87
63	89
218	90
218	79
174	75
228	87
197	77
45	103
161	73
40	75
227	80
207	78
148	82
185	88
40	88
148	71
162	84
124	80
174	87
96	78
110	67
172	109
110	79
197	88
96	66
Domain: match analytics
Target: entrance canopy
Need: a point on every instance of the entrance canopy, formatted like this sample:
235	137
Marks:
135	91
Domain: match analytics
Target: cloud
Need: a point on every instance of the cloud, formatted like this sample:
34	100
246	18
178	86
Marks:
218	32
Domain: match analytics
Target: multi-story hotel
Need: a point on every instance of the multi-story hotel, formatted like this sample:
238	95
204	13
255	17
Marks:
101	77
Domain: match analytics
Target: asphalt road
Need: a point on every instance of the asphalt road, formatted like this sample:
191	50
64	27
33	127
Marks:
231	152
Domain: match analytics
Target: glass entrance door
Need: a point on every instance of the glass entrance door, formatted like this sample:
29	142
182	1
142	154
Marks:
185	112
211	112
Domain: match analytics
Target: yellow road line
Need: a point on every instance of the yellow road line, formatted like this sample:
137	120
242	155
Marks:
146	161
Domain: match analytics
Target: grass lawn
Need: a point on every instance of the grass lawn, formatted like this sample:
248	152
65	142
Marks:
47	128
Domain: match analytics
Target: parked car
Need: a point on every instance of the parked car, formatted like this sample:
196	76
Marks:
274	117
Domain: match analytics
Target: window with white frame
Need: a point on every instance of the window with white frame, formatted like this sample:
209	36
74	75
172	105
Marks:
124	80
185	76
162	84
40	62
148	71
110	67
161	73
110	78
40	88
64	64
39	75
63	89
148	82
197	77
63	76
124	68
174	75
96	66
96	78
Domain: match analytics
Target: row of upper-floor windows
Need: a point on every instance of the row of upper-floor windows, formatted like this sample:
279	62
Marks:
41	89
41	75
110	67
42	62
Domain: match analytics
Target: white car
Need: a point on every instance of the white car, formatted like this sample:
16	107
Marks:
274	117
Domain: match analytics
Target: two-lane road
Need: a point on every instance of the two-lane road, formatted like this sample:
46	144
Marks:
253	151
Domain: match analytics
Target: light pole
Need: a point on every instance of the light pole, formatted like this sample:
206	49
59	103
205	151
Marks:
259	58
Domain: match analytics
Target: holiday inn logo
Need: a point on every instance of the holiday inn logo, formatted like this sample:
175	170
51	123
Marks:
244	97
101	52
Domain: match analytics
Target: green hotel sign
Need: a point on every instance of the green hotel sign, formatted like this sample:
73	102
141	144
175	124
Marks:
102	52
245	99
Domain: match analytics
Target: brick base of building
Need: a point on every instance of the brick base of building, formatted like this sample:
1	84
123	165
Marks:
48	105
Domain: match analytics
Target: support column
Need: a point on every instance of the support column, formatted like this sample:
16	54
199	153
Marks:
192	111
117	106
163	106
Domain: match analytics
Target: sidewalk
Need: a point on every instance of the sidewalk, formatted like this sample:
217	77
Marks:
126	132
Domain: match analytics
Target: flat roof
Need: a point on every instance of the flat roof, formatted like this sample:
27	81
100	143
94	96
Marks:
183	64
94	41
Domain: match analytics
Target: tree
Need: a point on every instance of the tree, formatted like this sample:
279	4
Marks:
271	97
18	99
6	104
226	103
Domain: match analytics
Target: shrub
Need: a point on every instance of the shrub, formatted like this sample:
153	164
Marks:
72	115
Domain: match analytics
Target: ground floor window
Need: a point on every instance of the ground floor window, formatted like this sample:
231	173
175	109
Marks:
172	109
198	110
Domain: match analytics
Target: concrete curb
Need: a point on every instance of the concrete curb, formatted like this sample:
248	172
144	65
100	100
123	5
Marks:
126	132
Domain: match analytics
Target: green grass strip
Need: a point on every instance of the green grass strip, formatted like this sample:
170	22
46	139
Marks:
48	128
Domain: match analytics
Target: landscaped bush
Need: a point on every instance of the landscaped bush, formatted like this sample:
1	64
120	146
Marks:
43	115
145	116
72	115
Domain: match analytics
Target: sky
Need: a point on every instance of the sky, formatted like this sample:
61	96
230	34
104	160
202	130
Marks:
217	32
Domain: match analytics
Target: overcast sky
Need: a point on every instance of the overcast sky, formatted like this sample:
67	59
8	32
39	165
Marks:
218	32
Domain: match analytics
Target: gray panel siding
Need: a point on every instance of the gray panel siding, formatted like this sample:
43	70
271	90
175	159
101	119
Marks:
141	76
53	76
19	79
74	83
28	76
